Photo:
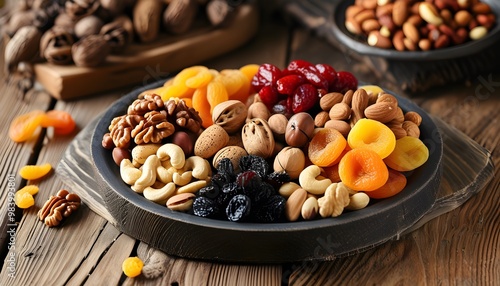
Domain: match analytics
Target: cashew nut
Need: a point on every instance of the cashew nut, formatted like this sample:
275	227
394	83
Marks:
141	152
334	201
358	201
148	176
192	187
309	182
163	174
172	152
182	178
200	167
128	172
160	195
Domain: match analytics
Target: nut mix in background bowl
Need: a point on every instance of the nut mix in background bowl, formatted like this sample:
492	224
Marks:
419	70
186	235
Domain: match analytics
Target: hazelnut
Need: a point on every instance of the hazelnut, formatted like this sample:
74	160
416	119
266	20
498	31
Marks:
278	123
185	141
299	129
291	160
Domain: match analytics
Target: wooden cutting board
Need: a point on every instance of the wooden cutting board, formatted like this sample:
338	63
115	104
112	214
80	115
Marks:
145	63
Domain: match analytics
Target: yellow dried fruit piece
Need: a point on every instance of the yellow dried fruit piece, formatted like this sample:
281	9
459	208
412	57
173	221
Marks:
409	154
33	172
132	266
200	80
187	73
216	93
176	90
30	189
374	89
24	200
249	70
233	80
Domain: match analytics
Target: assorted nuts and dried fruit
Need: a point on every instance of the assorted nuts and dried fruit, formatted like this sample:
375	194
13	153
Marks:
263	144
85	32
413	25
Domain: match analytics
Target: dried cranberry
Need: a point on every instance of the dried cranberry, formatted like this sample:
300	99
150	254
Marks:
304	98
268	95
327	72
295	65
288	84
345	81
267	74
238	208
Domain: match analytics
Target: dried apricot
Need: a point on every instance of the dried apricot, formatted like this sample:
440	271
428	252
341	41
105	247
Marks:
33	172
24	126
200	104
409	154
216	93
201	79
62	121
233	80
362	169
24	200
132	266
332	173
394	185
30	189
371	134
325	147
249	70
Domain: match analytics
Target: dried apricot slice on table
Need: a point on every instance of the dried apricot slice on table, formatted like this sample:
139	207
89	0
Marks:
362	169
409	154
24	126
33	172
325	147
371	134
62	121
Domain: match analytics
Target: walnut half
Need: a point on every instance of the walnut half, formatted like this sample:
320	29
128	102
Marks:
58	207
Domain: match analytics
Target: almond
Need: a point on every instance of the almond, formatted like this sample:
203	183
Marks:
359	103
413	117
294	204
411	32
400	12
330	99
341	126
340	111
382	111
321	118
411	129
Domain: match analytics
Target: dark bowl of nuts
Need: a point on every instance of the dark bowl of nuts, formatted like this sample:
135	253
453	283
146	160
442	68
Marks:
183	222
421	44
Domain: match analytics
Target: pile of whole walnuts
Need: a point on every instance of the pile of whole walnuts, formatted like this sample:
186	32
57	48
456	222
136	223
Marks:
85	32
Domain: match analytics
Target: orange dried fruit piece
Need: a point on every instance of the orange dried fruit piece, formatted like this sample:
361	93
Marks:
132	266
362	169
30	189
216	93
188	73
232	79
325	147
409	154
175	90
24	200
62	121
200	104
24	126
374	135
332	173
33	172
201	79
394	185
249	70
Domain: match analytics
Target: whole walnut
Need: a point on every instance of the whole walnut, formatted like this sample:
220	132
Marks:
55	45
90	51
89	25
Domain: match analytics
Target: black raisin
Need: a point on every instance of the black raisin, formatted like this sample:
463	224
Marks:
228	191
238	208
205	207
249	181
262	193
271	211
211	191
255	163
276	179
225	166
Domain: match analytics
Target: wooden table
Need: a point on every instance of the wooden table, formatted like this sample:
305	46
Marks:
461	247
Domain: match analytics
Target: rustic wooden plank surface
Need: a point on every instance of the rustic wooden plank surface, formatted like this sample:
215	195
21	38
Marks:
461	247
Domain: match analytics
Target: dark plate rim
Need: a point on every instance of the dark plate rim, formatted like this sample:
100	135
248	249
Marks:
464	50
103	163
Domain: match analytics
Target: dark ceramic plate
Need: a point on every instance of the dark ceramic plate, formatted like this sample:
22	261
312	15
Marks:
188	236
453	52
